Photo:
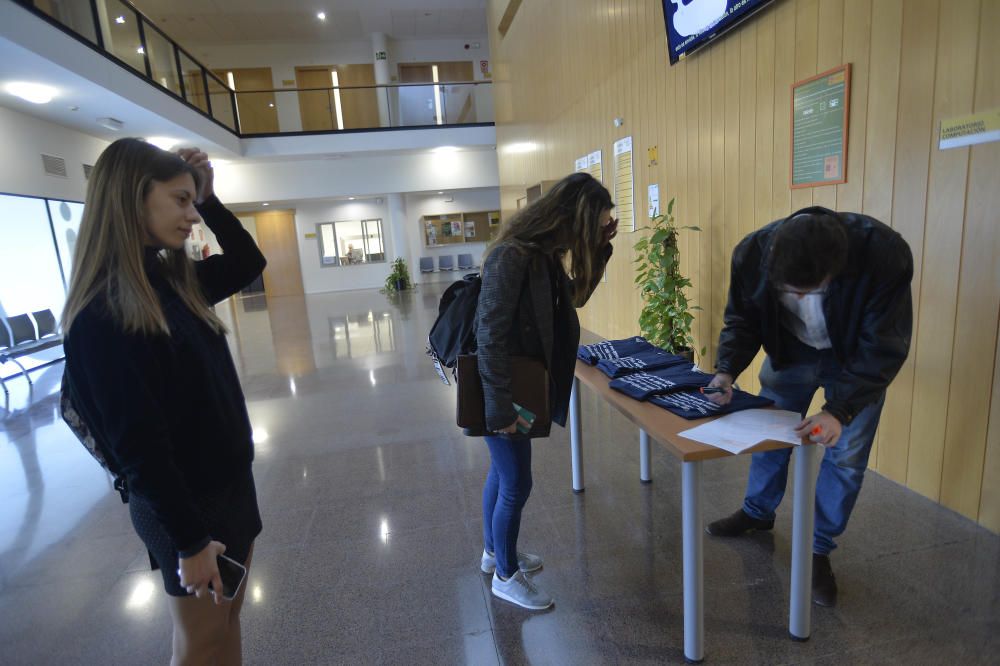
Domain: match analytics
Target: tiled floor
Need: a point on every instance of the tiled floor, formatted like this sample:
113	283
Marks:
372	531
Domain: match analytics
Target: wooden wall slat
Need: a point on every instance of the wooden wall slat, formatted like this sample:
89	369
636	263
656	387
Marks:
978	298
954	87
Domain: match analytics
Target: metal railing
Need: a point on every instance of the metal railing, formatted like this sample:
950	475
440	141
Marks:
120	32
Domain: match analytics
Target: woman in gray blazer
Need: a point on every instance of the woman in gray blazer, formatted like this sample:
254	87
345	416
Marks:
527	307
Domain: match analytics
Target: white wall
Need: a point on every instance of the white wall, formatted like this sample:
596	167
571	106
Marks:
25	138
317	278
297	180
465	201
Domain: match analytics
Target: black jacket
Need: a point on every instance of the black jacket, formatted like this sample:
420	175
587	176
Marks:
868	311
522	312
170	407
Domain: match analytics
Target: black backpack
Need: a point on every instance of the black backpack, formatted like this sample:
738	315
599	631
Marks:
95	447
454	330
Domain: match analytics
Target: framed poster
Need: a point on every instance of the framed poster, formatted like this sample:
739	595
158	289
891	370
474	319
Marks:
624	185
820	108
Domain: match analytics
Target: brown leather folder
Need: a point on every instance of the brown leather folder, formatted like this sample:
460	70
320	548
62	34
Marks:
529	387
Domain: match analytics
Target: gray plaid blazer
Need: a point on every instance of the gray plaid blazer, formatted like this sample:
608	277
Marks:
522	313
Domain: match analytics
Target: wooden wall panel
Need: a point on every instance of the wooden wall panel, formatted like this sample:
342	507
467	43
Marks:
721	122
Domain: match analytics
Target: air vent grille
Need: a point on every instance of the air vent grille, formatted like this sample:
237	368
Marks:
54	166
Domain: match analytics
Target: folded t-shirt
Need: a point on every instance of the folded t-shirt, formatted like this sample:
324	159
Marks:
656	359
643	385
694	405
613	349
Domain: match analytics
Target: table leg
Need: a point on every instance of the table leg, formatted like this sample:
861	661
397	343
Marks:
803	521
576	437
694	581
645	473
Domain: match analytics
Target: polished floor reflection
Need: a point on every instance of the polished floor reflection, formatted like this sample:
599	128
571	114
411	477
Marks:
371	542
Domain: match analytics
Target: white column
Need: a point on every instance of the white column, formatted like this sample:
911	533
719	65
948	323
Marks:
396	224
383	76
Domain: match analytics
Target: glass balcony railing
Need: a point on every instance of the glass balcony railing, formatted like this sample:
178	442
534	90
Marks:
280	111
122	33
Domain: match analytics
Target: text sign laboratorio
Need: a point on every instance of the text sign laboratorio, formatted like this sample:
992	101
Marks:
970	130
819	128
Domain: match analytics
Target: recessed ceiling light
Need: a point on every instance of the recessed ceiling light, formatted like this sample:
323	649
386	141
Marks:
120	20
36	93
265	204
351	198
162	142
321	16
440	192
445	149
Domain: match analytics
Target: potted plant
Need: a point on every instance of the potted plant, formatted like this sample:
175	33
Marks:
399	277
666	317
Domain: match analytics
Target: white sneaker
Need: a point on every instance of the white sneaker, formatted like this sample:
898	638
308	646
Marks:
519	590
526	562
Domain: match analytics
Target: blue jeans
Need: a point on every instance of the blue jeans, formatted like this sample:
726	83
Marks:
844	464
505	493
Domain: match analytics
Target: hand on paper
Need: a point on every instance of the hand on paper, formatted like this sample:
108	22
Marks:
822	428
723	381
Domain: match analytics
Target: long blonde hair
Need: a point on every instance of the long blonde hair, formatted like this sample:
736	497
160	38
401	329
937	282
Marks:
565	222
109	259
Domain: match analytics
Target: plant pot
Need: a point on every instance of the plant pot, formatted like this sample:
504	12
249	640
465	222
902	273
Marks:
400	284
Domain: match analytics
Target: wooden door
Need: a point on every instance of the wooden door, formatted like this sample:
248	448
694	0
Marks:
257	110
424	72
315	107
276	238
359	106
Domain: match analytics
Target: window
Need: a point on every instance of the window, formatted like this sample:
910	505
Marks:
350	243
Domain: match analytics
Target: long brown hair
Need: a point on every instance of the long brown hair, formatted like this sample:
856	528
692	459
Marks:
109	259
564	222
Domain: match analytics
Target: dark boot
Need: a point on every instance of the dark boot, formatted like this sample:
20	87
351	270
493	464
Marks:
824	585
737	524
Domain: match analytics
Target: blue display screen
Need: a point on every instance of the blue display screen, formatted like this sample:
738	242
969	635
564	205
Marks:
693	23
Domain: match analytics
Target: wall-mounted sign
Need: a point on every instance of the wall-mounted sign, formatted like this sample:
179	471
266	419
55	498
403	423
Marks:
594	166
624	185
381	55
970	130
654	200
820	108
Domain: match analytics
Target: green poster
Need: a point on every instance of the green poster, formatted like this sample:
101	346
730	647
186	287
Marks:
819	128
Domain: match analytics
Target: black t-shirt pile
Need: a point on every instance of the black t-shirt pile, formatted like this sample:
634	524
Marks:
655	359
608	349
694	405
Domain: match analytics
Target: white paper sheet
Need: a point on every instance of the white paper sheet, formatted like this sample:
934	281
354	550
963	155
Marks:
739	431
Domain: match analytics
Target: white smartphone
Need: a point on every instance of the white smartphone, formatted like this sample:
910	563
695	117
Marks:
232	574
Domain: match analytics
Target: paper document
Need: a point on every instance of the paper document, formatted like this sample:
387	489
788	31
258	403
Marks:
739	431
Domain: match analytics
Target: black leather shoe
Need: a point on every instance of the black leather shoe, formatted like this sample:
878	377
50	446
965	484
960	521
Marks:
737	524
824	584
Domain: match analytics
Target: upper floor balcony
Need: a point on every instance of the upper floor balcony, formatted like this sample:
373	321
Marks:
244	101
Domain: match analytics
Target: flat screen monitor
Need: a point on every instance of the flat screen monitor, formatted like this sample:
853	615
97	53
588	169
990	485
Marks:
692	24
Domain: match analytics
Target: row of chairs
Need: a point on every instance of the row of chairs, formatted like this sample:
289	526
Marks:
26	334
446	262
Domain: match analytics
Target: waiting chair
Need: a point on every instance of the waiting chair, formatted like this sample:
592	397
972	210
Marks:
465	262
426	264
446	262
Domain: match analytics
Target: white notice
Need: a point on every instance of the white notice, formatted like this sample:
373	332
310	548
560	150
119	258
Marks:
739	431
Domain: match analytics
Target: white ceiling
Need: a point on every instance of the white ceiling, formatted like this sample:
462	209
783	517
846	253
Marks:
194	23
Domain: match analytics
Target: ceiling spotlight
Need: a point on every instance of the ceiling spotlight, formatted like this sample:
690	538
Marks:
112	124
265	204
321	16
162	142
351	198
120	20
36	93
440	192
